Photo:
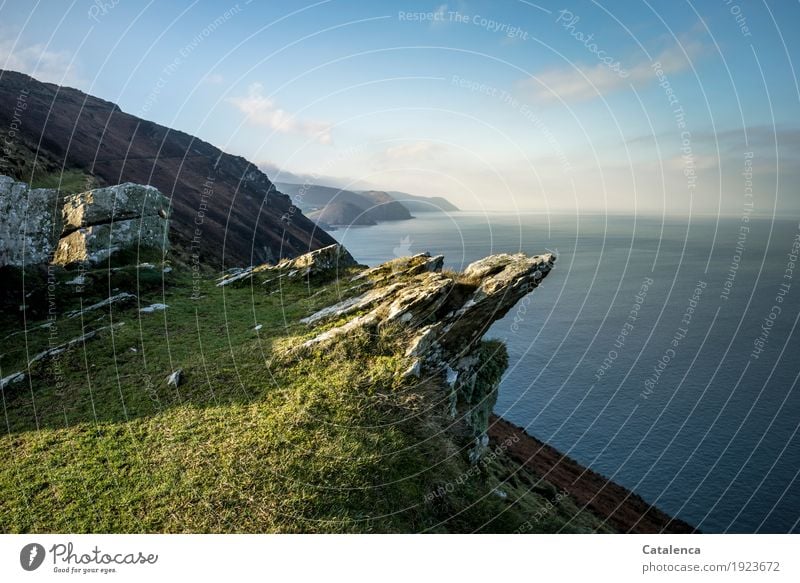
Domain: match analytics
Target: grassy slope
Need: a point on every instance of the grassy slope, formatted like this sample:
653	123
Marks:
252	441
68	181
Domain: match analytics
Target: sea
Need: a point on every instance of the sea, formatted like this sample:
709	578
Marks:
661	352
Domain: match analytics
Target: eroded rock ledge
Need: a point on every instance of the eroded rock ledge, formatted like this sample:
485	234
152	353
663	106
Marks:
322	262
444	315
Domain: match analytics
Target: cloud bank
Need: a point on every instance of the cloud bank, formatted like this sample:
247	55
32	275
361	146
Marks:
263	111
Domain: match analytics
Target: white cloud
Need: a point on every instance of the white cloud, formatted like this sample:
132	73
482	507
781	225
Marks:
263	111
581	82
39	62
412	151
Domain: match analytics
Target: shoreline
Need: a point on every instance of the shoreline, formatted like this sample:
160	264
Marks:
621	508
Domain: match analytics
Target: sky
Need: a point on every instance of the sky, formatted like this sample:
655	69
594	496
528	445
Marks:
650	107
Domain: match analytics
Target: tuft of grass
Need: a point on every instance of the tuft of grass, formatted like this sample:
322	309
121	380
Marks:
460	278
68	181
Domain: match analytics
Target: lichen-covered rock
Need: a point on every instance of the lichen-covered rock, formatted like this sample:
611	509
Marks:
96	243
328	260
330	257
450	311
175	378
444	316
112	204
79	341
501	281
412	265
30	223
101	222
120	299
39	225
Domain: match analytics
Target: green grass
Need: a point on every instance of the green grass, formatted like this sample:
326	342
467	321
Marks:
68	181
256	439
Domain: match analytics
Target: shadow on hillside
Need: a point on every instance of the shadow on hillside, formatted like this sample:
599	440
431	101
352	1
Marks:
107	380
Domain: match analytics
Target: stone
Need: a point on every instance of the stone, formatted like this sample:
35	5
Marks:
175	379
350	305
101	222
30	223
118	203
413	265
420	300
326	261
502	494
415	370
11	379
80	340
121	298
29	330
153	308
457	320
39	225
502	282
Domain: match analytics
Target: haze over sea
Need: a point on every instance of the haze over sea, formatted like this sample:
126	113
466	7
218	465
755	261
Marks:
662	353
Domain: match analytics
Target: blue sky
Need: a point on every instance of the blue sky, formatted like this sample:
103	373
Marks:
495	105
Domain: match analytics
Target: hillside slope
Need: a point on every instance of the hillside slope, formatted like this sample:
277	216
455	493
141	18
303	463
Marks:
232	203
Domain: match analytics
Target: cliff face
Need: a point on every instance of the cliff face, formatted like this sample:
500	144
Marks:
223	206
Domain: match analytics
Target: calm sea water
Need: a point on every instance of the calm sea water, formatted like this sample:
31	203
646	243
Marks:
690	400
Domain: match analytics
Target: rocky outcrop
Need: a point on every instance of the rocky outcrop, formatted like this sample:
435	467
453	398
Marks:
444	316
30	223
38	225
100	222
328	260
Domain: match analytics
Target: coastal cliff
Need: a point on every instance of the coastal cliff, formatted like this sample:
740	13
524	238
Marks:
308	395
149	386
